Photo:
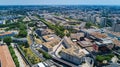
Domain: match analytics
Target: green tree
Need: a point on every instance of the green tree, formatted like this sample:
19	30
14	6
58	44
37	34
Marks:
22	33
88	25
7	40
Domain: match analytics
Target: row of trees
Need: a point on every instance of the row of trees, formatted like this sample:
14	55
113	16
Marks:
9	25
101	58
15	58
59	30
45	54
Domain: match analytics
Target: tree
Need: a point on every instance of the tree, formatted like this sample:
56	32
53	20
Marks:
88	25
7	40
23	33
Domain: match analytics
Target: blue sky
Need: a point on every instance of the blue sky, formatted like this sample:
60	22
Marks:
59	2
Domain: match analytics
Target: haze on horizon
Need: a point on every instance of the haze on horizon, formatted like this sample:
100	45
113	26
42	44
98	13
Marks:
59	2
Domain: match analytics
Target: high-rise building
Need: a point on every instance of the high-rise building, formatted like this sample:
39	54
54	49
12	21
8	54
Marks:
116	25
103	22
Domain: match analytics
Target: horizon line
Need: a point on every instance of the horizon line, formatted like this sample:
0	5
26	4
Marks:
58	5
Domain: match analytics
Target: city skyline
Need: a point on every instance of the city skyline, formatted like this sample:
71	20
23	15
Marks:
60	2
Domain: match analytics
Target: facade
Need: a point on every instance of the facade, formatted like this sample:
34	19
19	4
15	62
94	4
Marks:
67	43
116	27
51	42
42	32
103	46
76	56
19	40
103	22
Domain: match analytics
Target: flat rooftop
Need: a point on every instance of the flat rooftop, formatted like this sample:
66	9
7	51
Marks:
76	52
99	35
50	37
5	57
51	44
85	43
116	42
5	33
52	40
68	41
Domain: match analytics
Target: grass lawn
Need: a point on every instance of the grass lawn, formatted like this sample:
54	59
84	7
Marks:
30	55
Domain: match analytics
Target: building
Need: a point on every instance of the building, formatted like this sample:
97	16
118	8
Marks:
86	44
5	34
42	32
103	46
76	56
50	43
67	43
23	40
76	36
103	22
41	25
5	57
72	52
2	21
113	65
116	26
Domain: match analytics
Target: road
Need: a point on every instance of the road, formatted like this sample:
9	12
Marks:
82	25
36	52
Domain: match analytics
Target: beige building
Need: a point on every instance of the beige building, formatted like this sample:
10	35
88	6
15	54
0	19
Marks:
73	55
51	42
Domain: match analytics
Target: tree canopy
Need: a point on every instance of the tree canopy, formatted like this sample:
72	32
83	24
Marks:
7	40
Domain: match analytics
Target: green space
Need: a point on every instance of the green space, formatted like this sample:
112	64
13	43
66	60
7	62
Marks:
32	24
22	31
17	26
10	25
45	54
89	24
101	58
59	30
15	58
30	55
7	40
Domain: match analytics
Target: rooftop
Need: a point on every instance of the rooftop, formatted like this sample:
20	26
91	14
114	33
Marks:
5	33
116	42
68	41
76	52
50	37
52	40
5	57
51	44
85	43
77	35
99	35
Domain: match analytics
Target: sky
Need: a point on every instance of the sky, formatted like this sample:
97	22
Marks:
59	2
